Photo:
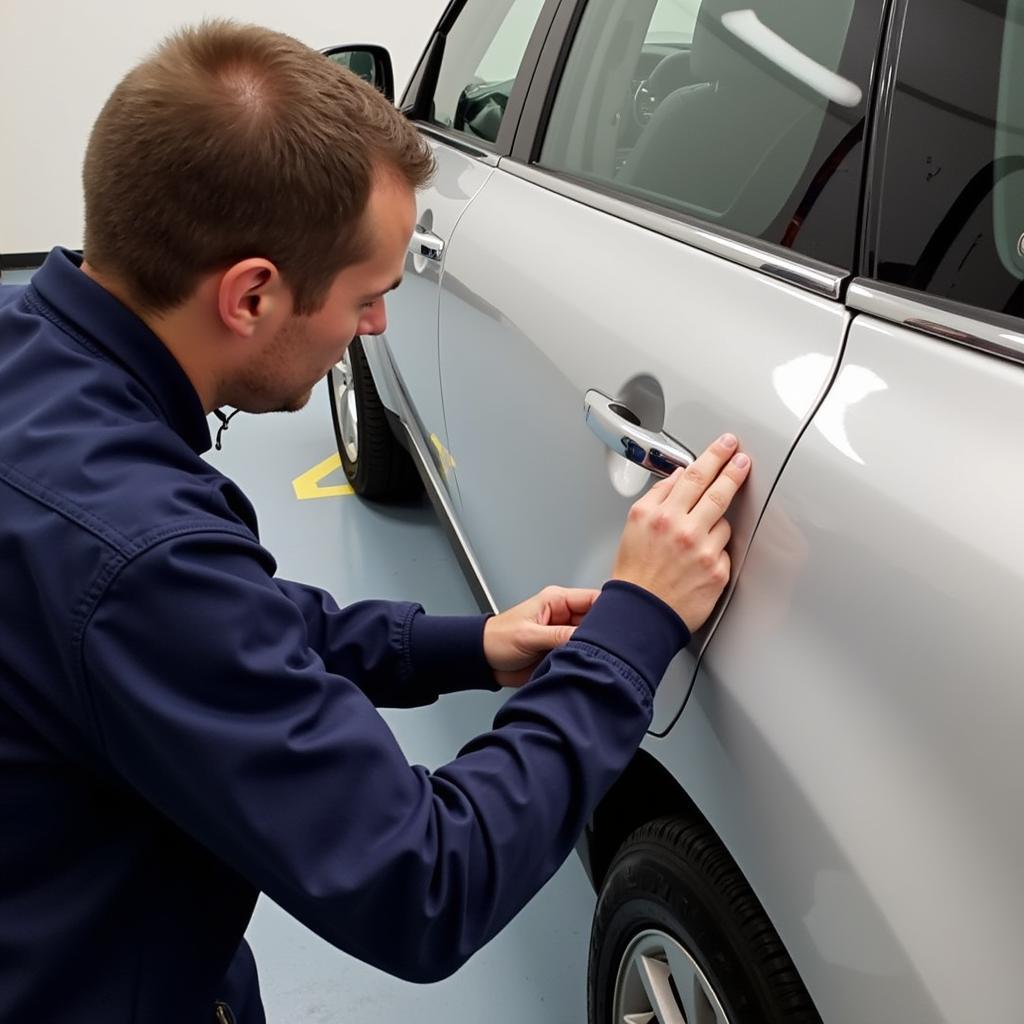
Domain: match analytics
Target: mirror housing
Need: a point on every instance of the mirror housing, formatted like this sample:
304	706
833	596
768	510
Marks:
370	63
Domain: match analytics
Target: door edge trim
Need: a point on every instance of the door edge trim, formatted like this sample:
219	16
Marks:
433	484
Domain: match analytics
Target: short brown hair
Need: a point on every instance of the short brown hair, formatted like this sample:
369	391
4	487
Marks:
229	142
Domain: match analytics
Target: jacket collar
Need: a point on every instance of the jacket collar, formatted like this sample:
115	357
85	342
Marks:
85	308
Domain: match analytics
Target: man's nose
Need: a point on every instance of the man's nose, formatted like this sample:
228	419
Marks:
376	322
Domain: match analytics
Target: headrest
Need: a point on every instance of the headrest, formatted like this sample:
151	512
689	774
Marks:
817	28
670	74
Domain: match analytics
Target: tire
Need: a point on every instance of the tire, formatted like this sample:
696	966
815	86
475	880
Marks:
376	465
675	906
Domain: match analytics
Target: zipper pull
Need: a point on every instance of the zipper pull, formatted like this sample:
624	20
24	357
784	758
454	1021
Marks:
222	1013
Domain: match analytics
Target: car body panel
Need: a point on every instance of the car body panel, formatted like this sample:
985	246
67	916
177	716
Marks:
852	713
538	308
854	733
411	335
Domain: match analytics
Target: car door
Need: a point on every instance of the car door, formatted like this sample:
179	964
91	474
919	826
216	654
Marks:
660	260
867	678
458	98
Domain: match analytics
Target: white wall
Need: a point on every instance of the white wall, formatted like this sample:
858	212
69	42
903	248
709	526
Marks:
59	60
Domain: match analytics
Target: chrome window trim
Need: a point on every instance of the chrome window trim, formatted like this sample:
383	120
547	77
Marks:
457	141
811	275
994	333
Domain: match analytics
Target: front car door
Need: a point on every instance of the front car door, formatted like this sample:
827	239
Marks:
458	97
670	235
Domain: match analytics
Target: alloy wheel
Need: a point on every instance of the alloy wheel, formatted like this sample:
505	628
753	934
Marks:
345	403
659	982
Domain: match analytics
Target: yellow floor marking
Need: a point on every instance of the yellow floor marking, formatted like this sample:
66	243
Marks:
308	486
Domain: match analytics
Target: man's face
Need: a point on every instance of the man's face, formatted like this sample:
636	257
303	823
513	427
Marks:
281	378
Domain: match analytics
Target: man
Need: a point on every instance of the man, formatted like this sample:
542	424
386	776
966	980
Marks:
179	729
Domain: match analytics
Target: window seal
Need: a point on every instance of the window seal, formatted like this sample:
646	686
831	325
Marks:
458	141
879	116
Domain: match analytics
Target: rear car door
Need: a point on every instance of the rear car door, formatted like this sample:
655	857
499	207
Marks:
667	244
867	679
458	97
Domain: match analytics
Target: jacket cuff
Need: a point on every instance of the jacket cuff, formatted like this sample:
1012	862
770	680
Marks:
447	653
636	627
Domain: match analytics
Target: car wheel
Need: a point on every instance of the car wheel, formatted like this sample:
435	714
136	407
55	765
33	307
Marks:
376	465
680	938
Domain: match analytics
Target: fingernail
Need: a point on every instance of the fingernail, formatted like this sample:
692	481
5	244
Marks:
727	441
741	461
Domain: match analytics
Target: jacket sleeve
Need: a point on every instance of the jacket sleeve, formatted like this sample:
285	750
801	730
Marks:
209	700
397	655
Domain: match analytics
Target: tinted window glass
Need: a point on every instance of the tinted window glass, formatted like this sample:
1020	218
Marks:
952	204
748	115
482	55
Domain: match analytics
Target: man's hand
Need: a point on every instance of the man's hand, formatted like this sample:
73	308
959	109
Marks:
516	641
673	546
675	537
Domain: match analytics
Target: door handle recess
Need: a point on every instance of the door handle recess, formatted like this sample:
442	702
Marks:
427	244
620	430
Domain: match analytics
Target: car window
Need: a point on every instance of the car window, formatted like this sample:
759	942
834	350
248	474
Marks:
482	54
673	22
748	115
952	200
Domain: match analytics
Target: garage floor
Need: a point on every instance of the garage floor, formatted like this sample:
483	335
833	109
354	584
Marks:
536	970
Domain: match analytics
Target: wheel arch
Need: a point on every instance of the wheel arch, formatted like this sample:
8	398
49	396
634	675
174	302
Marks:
646	790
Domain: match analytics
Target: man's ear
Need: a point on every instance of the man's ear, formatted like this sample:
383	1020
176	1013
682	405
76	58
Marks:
250	295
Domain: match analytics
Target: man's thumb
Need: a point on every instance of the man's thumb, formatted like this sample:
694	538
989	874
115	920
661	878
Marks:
550	637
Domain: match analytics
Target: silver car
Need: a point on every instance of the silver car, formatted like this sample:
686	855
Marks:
802	221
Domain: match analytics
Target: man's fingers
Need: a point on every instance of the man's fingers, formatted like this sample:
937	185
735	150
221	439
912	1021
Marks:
568	605
660	490
725	567
539	639
718	497
580	601
690	485
720	534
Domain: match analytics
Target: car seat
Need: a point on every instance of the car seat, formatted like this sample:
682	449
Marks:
732	147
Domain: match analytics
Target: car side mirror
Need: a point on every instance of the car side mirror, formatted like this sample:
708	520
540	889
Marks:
370	63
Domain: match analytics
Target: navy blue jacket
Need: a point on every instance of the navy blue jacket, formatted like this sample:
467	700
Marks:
181	730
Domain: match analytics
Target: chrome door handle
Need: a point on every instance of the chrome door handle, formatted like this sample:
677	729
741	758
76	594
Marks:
427	244
620	430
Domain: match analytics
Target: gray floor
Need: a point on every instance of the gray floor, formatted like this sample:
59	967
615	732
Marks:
536	969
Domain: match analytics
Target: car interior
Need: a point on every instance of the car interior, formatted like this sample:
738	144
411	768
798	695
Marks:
754	93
